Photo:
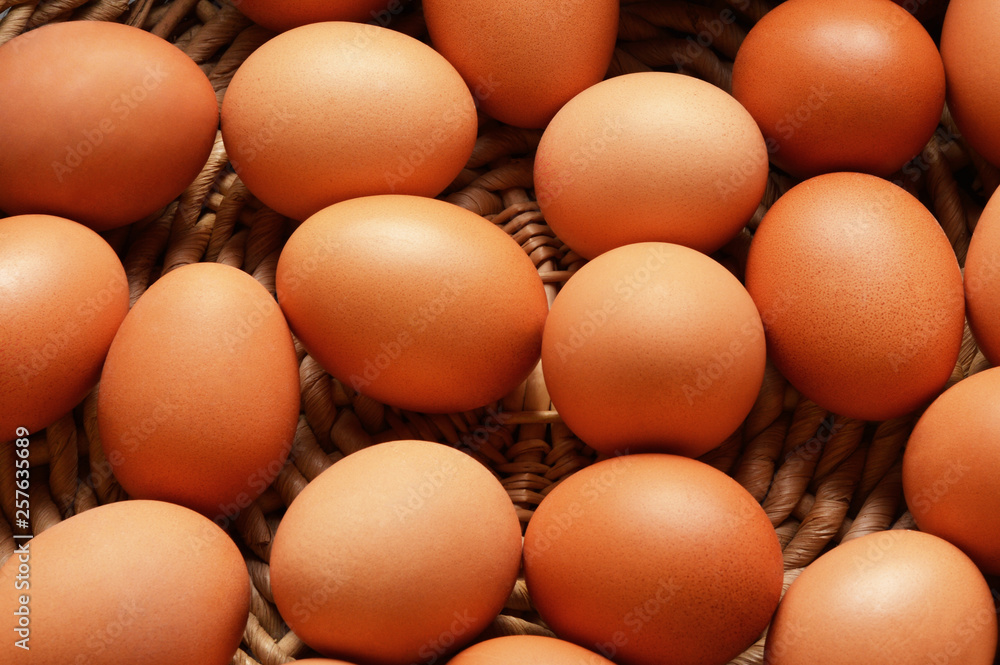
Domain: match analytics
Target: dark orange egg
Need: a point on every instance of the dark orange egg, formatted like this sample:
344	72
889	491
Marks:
860	293
841	86
653	559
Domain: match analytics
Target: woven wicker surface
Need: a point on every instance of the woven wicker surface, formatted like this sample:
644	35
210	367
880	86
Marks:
822	479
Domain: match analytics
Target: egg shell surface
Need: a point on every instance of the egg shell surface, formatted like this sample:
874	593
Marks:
138	582
199	397
104	123
399	553
64	295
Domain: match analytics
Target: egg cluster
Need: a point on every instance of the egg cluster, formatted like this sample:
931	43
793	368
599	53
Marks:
653	351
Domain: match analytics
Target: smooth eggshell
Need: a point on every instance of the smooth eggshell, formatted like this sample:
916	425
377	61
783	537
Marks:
527	650
103	123
616	165
399	553
64	294
982	281
860	293
412	301
970	40
653	560
524	59
332	111
798	73
280	15
199	398
886	598
653	347
137	582
950	469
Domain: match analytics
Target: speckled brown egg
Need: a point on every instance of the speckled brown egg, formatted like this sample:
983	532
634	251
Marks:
103	123
982	281
860	294
527	650
651	156
332	111
414	302
524	59
280	15
886	598
653	560
653	347
841	86
970	39
399	553
64	294
138	582
950	469
199	398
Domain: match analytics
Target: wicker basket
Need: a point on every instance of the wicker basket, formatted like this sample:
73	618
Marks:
822	479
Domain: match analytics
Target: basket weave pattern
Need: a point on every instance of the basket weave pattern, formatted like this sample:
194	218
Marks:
822	479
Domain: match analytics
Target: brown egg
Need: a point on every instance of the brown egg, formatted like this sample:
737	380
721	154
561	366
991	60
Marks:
103	123
653	347
199	398
615	165
652	559
950	469
970	39
412	301
399	553
332	111
524	59
982	281
527	650
841	86
280	15
886	598
137	582
64	294
860	294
